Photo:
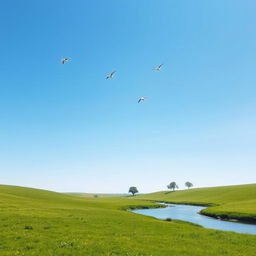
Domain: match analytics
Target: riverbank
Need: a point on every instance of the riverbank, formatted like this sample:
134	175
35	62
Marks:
190	213
229	216
232	217
228	202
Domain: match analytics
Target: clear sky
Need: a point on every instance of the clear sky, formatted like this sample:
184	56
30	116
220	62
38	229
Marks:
66	128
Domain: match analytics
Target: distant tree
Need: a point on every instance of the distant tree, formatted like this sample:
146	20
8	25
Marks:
188	184
95	196
172	185
133	190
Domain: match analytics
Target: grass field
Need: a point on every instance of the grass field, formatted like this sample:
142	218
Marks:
234	202
42	223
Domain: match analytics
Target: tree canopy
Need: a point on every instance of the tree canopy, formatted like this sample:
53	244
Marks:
173	185
133	190
188	184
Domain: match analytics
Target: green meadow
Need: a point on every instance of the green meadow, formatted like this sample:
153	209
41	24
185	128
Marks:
43	223
232	202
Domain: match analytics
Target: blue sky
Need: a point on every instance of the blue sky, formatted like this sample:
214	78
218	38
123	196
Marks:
66	128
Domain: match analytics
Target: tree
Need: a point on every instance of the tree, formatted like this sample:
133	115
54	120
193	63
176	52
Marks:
133	190
188	184
172	185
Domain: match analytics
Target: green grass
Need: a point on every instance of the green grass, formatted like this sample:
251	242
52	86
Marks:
233	202
43	223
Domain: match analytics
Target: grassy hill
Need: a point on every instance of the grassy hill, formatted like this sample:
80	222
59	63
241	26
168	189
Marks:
235	202
37	222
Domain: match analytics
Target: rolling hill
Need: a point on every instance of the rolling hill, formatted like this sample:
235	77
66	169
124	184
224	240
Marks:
37	222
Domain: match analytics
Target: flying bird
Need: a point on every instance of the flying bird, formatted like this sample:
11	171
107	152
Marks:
64	60
158	67
111	75
142	99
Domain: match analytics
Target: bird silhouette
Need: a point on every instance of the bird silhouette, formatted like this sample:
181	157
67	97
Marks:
158	68
142	99
64	60
111	75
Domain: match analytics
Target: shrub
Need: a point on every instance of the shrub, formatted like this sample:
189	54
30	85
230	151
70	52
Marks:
28	227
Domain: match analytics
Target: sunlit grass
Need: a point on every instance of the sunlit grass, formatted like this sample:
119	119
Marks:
43	223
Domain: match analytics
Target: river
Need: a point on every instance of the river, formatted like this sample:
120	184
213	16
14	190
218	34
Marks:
191	213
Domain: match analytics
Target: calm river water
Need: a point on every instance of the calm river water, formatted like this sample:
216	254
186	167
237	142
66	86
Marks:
190	213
